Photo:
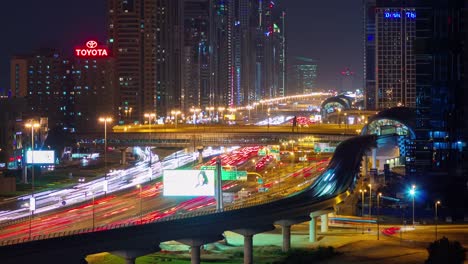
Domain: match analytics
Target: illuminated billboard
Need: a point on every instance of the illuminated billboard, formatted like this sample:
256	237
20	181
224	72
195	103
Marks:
91	50
40	157
188	183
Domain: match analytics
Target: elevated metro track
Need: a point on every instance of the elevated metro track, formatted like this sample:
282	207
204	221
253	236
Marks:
336	183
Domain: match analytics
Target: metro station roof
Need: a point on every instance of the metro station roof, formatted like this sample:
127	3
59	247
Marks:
403	115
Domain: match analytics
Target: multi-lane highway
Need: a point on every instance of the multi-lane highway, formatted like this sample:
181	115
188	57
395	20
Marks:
129	200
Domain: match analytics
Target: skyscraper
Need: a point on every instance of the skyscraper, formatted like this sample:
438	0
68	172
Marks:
132	36
304	75
93	92
44	79
196	75
390	66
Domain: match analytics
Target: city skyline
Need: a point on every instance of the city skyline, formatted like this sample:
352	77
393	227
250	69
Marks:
87	20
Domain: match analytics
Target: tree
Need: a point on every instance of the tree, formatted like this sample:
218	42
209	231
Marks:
444	251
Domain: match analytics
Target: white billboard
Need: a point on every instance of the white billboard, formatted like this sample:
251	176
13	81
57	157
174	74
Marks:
40	157
188	183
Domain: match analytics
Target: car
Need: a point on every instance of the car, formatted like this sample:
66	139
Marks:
81	179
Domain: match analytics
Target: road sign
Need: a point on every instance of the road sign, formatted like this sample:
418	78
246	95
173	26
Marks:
234	175
208	168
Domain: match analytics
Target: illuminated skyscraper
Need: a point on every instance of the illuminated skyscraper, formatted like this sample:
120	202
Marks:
132	36
43	78
304	75
390	61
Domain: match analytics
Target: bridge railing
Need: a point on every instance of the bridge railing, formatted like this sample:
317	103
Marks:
250	202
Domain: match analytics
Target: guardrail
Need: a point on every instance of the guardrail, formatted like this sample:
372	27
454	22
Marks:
234	207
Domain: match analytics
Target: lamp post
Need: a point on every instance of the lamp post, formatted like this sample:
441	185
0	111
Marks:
195	113
345	121
93	209
378	215
32	125
221	110
362	206
32	200
413	192
268	118
436	218
210	110
141	208
175	113
150	116
249	107
370	200
105	120
339	117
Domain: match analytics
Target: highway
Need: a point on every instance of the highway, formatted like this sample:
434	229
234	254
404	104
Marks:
125	203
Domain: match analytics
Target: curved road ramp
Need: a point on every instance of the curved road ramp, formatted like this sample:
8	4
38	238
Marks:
335	183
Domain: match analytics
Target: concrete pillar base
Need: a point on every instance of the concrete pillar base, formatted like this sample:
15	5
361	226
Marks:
248	234
286	229
324	223
130	255
312	229
195	244
286	238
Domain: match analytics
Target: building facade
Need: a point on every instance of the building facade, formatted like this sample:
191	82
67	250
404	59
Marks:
304	75
391	39
132	33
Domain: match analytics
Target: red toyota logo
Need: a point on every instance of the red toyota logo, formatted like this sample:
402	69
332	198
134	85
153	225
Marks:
91	44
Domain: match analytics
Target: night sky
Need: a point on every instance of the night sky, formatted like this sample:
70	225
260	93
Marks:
329	31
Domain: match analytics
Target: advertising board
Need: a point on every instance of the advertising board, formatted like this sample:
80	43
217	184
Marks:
188	183
40	157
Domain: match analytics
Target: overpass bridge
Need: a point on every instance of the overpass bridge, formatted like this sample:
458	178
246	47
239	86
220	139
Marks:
195	229
188	136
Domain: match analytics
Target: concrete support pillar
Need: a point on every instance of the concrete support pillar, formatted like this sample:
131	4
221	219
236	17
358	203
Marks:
312	229
130	260
123	156
196	242
286	229
248	249
248	234
324	223
374	158
130	255
195	254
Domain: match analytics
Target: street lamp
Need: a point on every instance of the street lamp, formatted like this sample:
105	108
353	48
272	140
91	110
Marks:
249	107
362	206
436	218
150	117
412	193
175	113
194	111
221	109
268	118
370	200
339	117
32	125
141	208
92	209
378	215
210	110
345	121
105	120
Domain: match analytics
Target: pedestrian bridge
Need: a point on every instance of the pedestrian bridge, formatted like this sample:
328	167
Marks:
336	183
